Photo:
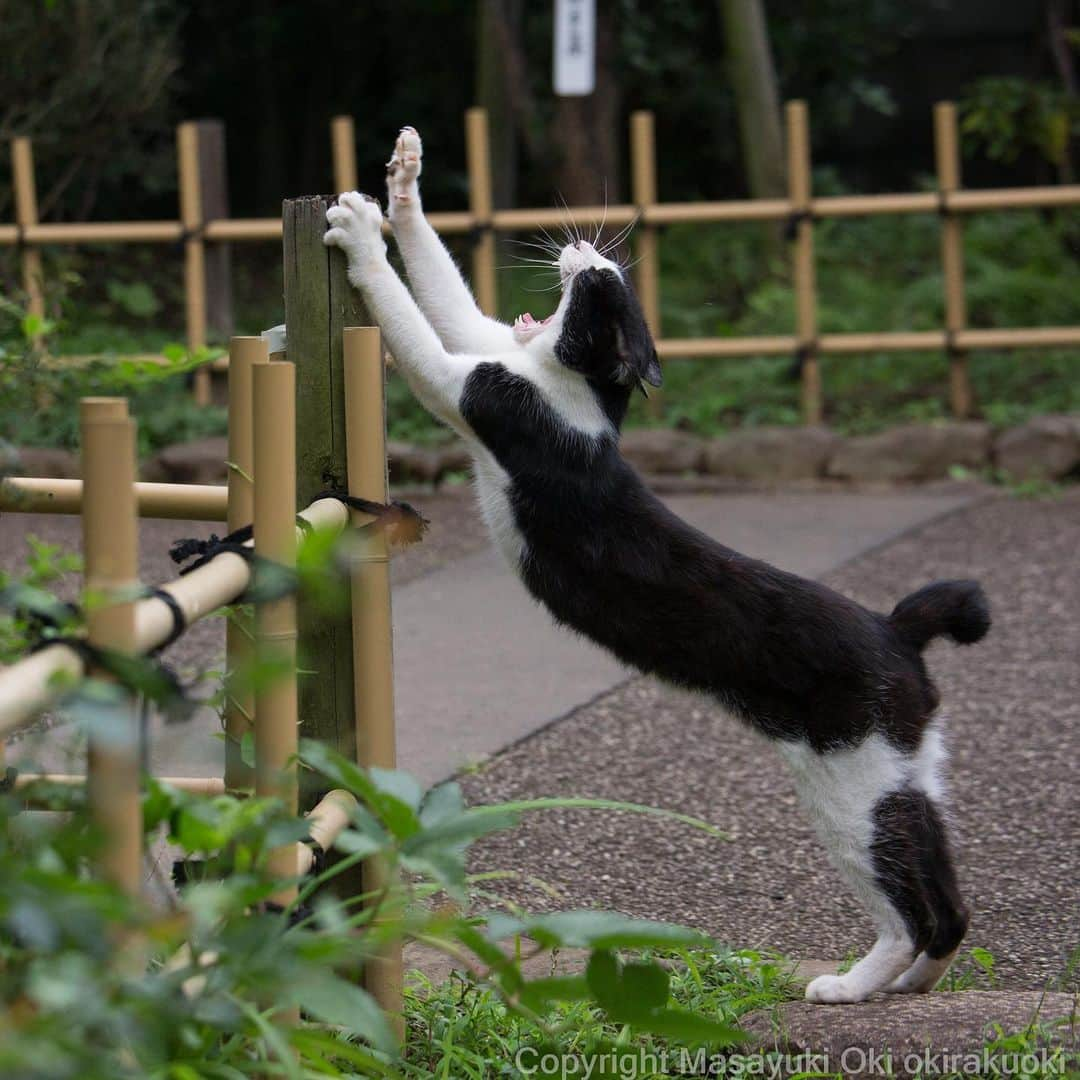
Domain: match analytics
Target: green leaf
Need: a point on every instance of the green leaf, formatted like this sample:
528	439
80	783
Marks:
539	993
335	1001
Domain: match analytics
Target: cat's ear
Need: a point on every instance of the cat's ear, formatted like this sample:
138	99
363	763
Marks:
638	362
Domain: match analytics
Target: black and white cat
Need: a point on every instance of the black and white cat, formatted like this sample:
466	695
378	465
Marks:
841	691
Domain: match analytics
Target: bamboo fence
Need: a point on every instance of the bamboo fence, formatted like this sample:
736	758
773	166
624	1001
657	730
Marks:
801	209
124	618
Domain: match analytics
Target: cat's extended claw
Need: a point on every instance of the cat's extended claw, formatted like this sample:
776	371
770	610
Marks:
404	167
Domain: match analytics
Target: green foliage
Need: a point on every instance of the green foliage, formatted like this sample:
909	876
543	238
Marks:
25	603
874	274
39	394
1004	116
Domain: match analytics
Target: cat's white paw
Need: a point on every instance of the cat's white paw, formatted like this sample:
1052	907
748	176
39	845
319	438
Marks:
834	990
355	226
403	168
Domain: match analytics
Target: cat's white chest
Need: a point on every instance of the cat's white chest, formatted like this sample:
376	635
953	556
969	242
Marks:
493	496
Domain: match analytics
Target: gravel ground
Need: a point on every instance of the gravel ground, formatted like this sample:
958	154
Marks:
1013	707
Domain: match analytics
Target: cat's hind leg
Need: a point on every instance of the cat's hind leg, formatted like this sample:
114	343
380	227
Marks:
860	803
949	915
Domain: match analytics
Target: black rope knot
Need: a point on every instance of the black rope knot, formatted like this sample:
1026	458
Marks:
794	220
404	524
207	549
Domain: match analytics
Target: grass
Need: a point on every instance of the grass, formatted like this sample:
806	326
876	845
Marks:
460	1029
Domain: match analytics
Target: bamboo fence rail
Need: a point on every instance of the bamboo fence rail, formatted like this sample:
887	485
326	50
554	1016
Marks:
482	221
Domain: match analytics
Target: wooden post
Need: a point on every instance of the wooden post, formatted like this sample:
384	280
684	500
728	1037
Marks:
276	709
191	218
365	421
643	169
111	552
802	259
343	148
947	153
26	215
214	199
319	303
244	354
478	156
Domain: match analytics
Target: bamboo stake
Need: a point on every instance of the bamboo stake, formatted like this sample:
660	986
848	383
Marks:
343	148
111	552
947	153
176	502
798	143
244	354
478	156
276	718
191	217
26	217
373	665
33	683
647	249
193	785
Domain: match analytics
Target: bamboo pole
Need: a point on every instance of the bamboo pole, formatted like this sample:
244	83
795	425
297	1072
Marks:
276	715
478	157
647	241
373	664
191	218
798	143
244	354
947	154
343	148
176	502
30	685
326	821
111	552
26	216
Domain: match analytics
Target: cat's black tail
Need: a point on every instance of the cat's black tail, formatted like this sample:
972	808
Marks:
958	609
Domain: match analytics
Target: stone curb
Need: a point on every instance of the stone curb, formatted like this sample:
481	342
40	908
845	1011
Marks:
1045	449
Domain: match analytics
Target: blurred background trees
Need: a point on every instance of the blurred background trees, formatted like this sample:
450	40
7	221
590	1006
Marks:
99	84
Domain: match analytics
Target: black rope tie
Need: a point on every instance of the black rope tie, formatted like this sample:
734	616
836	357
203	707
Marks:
207	549
404	524
179	621
794	220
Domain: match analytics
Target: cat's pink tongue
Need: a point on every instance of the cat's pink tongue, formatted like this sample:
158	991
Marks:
526	319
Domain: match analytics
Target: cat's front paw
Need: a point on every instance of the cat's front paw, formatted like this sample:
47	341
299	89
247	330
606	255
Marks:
356	227
403	169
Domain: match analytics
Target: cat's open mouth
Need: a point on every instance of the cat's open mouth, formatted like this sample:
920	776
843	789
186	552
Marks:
525	326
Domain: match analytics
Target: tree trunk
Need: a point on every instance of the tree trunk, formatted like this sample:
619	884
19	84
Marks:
496	22
757	104
757	98
586	130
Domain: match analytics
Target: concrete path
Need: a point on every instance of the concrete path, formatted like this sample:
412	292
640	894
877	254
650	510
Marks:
478	665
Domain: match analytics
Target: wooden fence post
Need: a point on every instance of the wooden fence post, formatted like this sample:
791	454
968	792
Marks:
276	710
26	216
647	246
947	153
365	419
478	157
798	147
244	354
343	149
319	303
191	218
111	552
214	200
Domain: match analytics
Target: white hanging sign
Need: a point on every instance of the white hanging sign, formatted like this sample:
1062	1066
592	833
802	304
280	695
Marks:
575	47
